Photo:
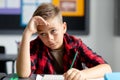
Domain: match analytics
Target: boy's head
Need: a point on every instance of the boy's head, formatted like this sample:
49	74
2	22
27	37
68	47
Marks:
53	33
48	11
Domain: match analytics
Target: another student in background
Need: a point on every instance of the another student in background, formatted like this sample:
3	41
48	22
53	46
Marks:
53	51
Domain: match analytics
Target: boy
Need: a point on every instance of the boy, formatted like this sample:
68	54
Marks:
53	51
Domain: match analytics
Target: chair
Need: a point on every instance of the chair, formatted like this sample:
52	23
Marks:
2	75
2	63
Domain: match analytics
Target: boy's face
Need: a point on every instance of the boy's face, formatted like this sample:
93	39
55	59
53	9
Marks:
52	34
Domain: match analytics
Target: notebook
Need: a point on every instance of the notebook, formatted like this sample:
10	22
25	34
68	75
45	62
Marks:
96	79
49	77
56	77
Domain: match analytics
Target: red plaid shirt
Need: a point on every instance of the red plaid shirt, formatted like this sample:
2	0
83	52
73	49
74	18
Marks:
42	61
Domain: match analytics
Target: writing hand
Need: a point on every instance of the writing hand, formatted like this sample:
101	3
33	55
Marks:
74	74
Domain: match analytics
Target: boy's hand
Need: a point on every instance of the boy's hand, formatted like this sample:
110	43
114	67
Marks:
74	74
34	23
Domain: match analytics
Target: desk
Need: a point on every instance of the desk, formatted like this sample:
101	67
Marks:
32	77
8	57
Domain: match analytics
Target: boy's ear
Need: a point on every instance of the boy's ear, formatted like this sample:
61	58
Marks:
64	27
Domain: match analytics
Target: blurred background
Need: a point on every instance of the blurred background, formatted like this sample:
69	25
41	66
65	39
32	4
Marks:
101	32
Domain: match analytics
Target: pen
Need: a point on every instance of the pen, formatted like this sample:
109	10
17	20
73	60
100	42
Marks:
74	60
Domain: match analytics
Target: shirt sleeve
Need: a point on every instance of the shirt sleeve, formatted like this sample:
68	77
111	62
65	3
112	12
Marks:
33	55
88	57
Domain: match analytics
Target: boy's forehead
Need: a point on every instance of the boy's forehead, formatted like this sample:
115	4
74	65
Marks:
52	22
49	25
49	22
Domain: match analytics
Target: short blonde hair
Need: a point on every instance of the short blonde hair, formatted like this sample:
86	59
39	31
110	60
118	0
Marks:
48	11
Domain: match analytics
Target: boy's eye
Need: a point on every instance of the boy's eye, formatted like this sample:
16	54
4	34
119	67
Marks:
42	34
54	31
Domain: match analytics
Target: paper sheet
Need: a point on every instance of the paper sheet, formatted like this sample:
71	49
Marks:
50	77
39	77
56	77
96	79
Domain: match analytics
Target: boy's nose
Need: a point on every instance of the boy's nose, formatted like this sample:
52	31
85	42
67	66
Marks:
50	37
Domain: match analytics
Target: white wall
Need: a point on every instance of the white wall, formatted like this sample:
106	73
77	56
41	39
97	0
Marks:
104	20
116	53
101	38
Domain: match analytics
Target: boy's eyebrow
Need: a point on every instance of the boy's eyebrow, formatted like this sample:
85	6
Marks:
39	30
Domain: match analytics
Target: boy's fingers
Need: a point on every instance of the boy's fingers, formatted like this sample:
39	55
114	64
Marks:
40	21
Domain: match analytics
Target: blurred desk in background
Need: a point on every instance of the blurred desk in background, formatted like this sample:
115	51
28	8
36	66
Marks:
15	77
9	57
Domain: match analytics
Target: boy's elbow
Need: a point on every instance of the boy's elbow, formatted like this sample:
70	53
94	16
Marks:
108	67
23	75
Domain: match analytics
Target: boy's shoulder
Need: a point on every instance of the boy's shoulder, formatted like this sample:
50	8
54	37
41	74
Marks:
71	37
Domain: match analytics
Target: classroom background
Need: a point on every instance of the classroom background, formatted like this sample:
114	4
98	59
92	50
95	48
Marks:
101	37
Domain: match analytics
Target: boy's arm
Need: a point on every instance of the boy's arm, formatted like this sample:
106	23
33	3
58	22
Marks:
98	71
23	64
90	73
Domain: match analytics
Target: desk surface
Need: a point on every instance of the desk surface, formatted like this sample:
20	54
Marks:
33	77
8	57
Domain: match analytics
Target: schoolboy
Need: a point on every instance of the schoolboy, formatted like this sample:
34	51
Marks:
53	51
